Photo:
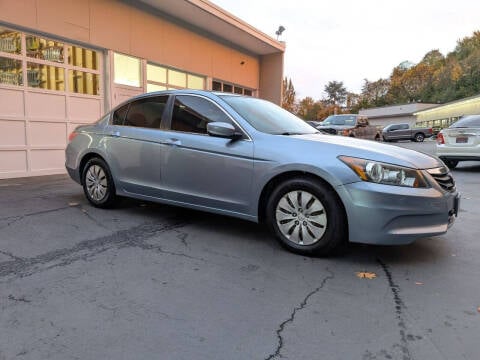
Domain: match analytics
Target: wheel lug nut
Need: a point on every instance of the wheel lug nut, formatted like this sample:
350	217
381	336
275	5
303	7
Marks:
297	222
294	215
305	223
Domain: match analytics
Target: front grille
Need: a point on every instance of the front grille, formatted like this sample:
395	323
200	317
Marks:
443	178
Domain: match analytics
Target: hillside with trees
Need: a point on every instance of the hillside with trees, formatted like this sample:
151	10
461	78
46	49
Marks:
435	79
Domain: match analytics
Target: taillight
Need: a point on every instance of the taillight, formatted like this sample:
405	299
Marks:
72	136
430	131
440	139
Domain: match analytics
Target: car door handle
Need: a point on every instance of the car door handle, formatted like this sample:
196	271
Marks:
115	133
171	142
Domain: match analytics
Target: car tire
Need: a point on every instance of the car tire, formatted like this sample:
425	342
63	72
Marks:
98	184
451	164
419	137
307	217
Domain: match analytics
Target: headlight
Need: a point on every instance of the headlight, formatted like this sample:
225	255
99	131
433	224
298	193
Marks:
387	174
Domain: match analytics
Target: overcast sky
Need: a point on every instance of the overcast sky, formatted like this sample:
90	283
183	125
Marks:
349	40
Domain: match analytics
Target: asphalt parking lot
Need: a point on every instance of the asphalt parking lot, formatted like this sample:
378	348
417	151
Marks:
147	281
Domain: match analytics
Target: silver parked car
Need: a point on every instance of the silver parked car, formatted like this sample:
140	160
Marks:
248	158
460	142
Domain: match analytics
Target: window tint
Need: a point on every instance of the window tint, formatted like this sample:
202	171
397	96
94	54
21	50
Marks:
147	112
268	117
467	121
192	113
119	115
404	126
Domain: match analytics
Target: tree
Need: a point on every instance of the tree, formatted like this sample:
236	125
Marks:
288	95
336	93
374	93
309	109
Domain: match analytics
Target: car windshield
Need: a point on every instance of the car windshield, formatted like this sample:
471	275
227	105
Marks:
268	117
467	122
339	120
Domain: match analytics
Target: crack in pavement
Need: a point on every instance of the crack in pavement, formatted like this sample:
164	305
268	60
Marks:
133	237
399	307
10	255
20	299
291	318
15	218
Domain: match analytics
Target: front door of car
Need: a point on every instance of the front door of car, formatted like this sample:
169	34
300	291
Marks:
204	170
133	146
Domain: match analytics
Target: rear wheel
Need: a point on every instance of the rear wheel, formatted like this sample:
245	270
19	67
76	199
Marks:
419	137
98	184
307	217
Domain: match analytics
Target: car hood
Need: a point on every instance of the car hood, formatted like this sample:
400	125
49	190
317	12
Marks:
366	149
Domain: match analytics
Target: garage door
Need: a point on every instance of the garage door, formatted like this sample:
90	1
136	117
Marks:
47	88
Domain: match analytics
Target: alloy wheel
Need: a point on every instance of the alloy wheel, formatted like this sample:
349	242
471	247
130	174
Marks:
301	217
96	182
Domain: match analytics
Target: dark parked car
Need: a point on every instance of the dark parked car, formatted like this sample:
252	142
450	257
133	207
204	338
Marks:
351	125
394	132
248	158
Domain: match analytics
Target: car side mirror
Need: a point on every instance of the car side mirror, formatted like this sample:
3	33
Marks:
221	129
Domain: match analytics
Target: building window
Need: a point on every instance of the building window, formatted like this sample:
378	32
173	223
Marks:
195	82
10	41
44	49
218	85
10	71
83	58
46	77
162	78
126	70
83	82
42	64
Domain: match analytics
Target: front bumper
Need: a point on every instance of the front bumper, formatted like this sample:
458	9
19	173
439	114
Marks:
393	215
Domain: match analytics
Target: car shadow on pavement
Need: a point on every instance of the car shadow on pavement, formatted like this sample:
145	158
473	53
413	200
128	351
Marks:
426	250
467	167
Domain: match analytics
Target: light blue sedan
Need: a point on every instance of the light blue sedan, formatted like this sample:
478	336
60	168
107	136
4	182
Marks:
248	158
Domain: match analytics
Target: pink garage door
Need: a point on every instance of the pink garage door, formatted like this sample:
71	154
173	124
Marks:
47	88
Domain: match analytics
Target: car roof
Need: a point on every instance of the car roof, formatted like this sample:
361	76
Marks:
206	93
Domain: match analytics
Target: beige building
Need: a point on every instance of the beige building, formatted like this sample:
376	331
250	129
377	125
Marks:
64	63
444	115
396	114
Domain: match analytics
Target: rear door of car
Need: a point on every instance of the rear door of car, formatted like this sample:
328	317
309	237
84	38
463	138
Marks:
133	145
200	169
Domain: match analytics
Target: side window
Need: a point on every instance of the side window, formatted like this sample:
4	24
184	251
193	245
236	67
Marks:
119	115
404	126
146	112
192	113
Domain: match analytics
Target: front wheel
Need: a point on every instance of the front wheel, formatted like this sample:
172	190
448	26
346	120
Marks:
98	184
307	217
419	137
